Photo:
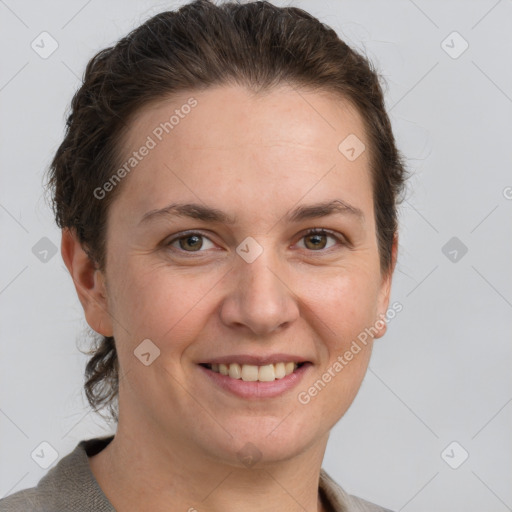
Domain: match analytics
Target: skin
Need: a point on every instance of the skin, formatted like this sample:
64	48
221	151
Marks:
255	157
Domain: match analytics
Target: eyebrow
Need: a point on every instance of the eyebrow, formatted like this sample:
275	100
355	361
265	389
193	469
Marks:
208	214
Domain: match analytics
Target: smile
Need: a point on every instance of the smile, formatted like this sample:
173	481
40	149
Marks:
251	381
253	373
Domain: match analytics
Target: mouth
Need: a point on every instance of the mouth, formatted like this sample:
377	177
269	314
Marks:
251	381
254	373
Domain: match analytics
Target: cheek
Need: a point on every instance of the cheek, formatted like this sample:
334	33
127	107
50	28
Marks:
159	303
345	300
165	304
344	310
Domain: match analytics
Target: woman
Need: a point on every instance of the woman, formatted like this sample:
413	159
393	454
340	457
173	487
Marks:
227	192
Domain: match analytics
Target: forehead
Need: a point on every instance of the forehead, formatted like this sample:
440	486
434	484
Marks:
231	115
213	139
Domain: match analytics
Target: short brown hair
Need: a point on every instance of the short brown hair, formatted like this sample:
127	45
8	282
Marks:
254	44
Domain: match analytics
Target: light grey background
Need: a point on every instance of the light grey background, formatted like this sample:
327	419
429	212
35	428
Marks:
441	373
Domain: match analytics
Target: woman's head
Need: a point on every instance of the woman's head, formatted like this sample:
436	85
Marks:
251	111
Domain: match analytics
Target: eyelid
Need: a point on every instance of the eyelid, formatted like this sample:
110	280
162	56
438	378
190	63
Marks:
311	231
184	234
341	239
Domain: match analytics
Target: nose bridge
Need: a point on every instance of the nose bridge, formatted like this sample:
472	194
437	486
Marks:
259	299
260	279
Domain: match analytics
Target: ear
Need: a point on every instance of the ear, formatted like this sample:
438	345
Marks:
89	283
385	291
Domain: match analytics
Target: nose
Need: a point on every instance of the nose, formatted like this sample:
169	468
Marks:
260	300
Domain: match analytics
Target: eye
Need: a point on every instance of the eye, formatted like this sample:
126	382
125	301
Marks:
190	242
316	239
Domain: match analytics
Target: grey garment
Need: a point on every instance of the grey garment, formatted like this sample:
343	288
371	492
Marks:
70	486
335	499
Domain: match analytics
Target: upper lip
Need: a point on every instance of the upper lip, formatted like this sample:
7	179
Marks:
256	360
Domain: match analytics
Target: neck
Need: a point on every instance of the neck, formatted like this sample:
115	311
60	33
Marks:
142	469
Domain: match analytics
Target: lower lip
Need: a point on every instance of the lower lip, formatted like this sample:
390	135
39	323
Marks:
255	390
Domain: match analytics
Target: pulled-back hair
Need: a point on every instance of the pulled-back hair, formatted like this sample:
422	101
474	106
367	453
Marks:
256	45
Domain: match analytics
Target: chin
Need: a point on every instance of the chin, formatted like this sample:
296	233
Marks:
259	440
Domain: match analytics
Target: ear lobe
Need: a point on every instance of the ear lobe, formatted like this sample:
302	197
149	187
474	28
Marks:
89	283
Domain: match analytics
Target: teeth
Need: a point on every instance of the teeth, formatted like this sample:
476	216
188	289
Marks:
235	371
253	373
249	373
289	368
280	370
266	373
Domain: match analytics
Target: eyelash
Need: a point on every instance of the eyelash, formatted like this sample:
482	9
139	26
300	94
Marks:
314	231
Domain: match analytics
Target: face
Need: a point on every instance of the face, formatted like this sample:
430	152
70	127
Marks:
240	277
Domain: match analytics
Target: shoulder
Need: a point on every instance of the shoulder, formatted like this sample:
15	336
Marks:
340	501
69	486
21	500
